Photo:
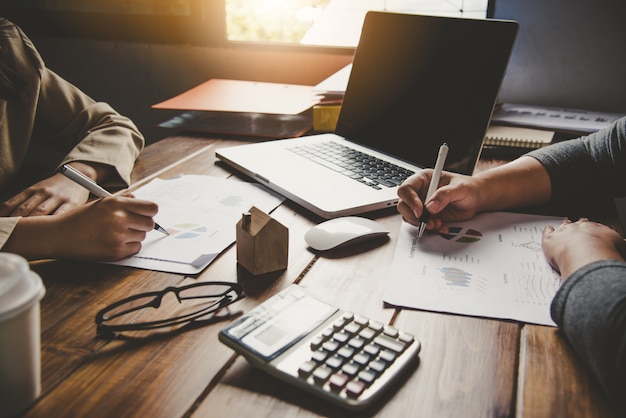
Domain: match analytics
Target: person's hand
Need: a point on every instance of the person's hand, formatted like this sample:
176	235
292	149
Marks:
56	194
456	198
108	229
104	230
575	244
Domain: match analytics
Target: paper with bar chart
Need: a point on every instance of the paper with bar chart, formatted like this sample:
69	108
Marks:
200	213
490	266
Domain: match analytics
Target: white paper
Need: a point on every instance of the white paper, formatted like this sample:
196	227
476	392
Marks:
200	213
491	266
336	83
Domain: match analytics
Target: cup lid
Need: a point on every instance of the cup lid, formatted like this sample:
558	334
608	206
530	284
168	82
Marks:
20	287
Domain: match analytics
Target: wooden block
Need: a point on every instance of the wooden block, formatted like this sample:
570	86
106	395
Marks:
325	117
262	243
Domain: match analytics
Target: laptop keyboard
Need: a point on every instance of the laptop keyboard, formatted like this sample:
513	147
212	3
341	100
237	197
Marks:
357	165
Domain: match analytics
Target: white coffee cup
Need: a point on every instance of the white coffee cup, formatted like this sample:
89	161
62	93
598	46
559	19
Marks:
20	355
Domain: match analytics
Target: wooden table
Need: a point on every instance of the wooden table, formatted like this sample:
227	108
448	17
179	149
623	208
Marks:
470	367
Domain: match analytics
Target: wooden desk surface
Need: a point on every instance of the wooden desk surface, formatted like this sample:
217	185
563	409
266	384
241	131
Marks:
469	367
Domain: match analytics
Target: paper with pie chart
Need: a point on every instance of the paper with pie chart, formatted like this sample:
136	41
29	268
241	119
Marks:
490	266
200	214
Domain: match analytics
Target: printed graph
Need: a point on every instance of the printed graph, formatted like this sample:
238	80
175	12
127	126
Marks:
231	201
461	234
535	284
532	246
456	278
187	231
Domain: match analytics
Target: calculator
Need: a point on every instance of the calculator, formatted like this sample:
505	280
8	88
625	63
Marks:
338	355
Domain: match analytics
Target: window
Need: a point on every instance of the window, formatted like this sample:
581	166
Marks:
326	22
334	23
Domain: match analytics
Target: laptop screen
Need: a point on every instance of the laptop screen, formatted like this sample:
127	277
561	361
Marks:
419	81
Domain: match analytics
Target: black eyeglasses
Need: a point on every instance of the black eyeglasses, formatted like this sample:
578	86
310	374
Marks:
195	304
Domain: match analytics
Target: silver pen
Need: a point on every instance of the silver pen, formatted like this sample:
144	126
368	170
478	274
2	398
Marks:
432	188
78	177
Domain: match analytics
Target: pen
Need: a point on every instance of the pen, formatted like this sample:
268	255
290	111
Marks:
434	184
78	177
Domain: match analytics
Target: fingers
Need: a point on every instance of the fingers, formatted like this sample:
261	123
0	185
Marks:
140	223
413	191
45	197
410	205
135	220
549	230
443	197
568	222
546	234
109	229
26	204
131	205
9	207
132	248
129	213
111	250
63	207
457	198
409	213
142	207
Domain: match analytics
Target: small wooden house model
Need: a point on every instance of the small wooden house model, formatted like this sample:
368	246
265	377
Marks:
262	243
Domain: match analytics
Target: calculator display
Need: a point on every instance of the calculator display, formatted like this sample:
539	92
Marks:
282	321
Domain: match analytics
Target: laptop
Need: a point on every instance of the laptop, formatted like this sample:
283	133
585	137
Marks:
416	82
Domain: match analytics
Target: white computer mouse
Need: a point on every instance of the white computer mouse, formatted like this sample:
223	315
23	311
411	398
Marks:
343	231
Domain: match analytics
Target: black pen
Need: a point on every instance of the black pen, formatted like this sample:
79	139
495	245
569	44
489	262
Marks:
434	184
78	177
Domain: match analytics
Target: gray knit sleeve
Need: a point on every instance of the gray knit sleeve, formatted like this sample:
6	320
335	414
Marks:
590	309
588	168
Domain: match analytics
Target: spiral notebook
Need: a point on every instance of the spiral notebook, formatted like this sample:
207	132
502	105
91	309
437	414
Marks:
513	136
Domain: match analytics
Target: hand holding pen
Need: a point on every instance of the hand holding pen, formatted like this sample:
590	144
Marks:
78	177
434	184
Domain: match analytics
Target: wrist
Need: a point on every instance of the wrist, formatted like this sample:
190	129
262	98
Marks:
570	261
33	238
95	171
489	197
521	183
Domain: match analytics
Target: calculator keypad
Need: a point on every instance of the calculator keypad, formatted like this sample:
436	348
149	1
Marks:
351	354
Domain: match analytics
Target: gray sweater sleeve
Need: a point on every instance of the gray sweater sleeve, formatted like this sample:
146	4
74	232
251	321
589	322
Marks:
590	309
590	306
587	169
